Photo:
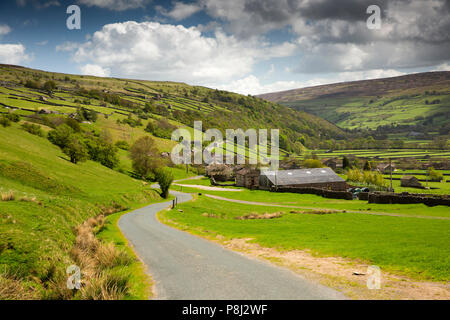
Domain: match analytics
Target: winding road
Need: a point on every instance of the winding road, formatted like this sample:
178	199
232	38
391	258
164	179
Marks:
184	266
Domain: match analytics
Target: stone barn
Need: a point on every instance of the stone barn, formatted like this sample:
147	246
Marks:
248	178
333	163
220	172
410	182
324	178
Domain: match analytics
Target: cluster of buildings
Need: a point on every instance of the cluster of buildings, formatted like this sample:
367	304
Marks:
251	178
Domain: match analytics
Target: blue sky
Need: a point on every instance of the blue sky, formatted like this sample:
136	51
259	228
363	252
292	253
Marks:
246	46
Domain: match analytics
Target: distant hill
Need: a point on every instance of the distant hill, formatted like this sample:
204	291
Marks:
118	100
421	100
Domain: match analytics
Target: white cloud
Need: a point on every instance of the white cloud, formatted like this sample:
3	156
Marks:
67	46
181	10
13	54
95	70
4	29
42	43
116	5
150	50
442	67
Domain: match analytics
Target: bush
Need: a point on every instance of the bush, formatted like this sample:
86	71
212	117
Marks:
5	122
161	128
164	178
122	144
312	163
374	178
435	175
33	129
14	117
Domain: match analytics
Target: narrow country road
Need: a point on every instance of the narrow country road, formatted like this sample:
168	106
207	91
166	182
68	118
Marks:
184	266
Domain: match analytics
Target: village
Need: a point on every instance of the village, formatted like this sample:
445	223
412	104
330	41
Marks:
327	180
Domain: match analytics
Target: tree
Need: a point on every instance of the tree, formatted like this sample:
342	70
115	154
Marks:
345	163
145	157
164	178
76	150
367	166
60	136
49	86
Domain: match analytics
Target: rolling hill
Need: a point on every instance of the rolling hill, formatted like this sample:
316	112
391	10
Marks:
416	102
126	106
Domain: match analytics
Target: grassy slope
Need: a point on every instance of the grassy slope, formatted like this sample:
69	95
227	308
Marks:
412	246
36	236
217	109
373	103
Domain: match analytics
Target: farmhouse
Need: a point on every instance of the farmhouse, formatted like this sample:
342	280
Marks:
333	163
411	182
248	178
324	178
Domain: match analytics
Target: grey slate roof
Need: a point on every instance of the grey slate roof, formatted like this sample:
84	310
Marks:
302	176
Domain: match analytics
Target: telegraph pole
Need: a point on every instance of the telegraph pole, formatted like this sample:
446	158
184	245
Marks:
390	169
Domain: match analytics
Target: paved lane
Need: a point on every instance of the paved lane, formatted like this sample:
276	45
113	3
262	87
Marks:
184	266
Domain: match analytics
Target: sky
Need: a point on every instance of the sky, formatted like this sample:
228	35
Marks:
244	46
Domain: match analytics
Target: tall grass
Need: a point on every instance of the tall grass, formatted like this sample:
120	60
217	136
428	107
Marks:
100	263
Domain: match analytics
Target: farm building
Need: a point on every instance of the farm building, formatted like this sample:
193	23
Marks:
220	172
385	167
324	178
248	178
410	182
333	163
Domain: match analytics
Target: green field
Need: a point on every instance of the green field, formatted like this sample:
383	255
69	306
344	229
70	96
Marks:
51	197
313	201
406	245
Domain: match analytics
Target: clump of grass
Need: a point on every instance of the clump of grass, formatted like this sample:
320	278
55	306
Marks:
265	215
11	288
8	196
109	285
113	208
100	263
319	212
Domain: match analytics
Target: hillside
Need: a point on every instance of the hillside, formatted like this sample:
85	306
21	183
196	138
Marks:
43	198
416	102
125	107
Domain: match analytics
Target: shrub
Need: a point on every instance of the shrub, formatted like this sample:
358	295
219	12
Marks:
312	163
33	129
435	175
165	179
14	117
122	144
5	122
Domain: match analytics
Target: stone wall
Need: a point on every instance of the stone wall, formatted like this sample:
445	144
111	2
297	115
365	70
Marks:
317	191
406	198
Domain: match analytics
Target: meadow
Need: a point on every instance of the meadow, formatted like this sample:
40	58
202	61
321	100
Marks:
45	197
411	246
